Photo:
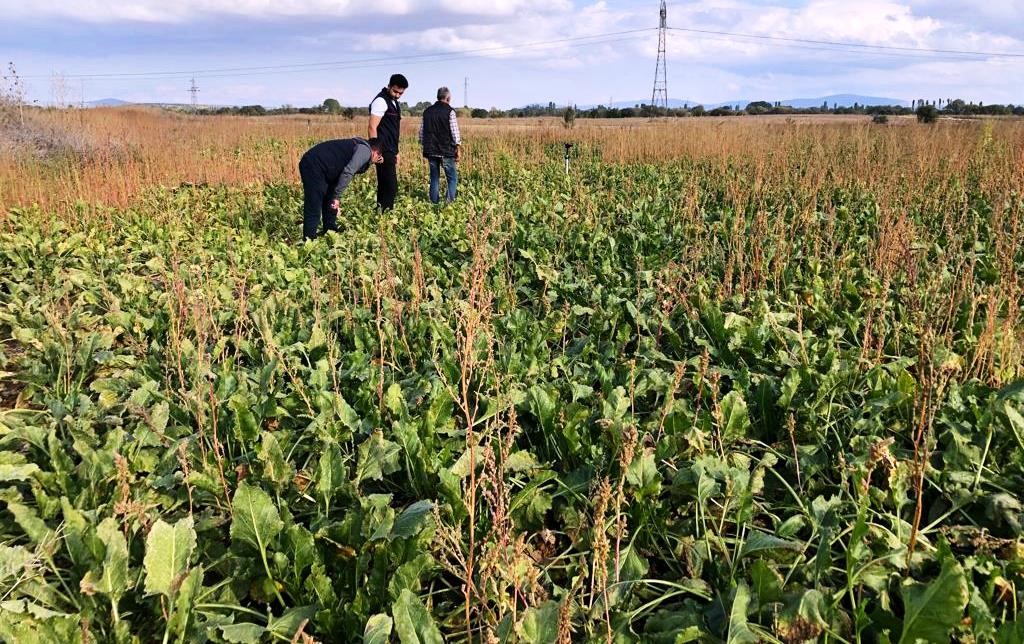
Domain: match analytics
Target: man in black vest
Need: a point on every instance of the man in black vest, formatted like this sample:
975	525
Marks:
385	123
326	170
441	141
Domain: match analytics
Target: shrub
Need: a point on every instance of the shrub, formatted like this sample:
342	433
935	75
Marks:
927	114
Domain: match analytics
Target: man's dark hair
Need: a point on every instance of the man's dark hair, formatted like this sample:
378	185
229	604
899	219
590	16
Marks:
374	144
397	80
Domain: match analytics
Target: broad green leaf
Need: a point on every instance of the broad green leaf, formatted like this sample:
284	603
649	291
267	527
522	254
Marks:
739	628
331	474
288	624
412	520
735	419
26	517
758	541
183	604
244	633
168	552
540	624
932	610
114	581
246	429
412	621
276	469
767	583
17	471
520	461
256	520
377	457
378	629
158	416
643	473
407	576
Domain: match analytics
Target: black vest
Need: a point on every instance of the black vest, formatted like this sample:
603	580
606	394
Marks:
390	123
437	131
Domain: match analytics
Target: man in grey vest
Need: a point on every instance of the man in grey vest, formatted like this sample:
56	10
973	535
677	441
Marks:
441	141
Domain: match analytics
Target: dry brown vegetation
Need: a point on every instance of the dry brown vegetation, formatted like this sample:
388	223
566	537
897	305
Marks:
111	155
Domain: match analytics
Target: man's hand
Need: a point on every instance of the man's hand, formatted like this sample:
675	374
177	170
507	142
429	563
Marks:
458	153
398	158
334	205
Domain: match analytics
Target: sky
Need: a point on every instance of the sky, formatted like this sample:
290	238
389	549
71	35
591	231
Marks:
513	52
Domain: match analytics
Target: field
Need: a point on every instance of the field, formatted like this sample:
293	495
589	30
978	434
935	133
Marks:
739	380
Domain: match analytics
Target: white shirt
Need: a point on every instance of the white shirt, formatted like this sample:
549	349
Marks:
378	107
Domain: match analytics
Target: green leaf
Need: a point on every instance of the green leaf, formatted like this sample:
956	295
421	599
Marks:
412	621
412	520
767	583
643	473
183	604
377	457
17	471
758	541
739	629
378	630
159	416
735	419
244	633
114	581
540	624
246	429
26	517
932	610
168	552
276	469
331	473
256	520
288	624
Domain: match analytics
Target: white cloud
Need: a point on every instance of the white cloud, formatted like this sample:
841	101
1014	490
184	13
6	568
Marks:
182	11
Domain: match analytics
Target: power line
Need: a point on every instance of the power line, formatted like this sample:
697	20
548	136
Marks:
963	52
318	66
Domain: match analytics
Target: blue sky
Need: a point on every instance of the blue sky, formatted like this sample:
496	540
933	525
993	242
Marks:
514	52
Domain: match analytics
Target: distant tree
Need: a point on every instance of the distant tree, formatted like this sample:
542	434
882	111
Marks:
759	107
698	110
332	106
881	119
479	113
926	113
956	106
252	110
569	116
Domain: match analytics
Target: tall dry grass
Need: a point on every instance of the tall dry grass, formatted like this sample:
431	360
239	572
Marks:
114	154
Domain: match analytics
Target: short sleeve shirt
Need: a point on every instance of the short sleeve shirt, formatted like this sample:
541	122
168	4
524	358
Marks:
378	107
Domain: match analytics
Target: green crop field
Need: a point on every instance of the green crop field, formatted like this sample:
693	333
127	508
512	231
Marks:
765	397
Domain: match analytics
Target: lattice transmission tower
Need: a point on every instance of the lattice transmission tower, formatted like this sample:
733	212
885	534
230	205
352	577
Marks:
659	95
194	91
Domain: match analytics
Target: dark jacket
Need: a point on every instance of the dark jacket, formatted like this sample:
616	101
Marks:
390	124
339	161
438	140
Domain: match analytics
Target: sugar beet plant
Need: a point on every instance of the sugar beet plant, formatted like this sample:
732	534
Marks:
745	400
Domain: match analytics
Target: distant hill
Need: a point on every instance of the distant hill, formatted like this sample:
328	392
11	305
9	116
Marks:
841	100
106	102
